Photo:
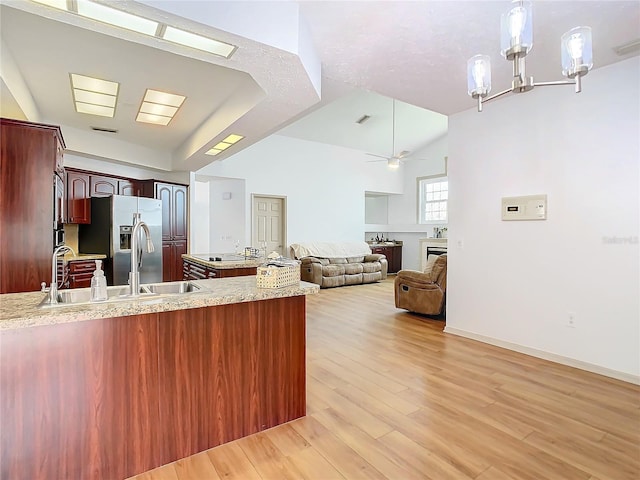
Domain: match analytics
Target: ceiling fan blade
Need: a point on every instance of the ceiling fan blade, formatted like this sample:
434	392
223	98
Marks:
379	156
381	160
404	153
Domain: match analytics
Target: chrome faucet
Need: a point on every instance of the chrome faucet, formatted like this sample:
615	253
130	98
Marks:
53	289
134	274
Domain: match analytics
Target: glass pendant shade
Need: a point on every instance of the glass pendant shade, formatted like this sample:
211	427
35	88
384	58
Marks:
516	27
479	75
393	163
577	55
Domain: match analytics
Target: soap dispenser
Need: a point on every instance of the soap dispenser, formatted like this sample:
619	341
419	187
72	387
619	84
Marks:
98	284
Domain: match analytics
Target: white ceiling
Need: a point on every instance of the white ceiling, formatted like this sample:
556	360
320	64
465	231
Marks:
414	51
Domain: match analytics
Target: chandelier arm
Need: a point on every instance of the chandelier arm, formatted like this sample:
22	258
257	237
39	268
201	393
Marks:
496	95
577	82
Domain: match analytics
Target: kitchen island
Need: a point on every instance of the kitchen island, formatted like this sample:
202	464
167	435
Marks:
218	265
111	390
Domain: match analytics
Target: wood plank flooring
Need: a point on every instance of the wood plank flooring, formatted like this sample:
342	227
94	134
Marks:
390	396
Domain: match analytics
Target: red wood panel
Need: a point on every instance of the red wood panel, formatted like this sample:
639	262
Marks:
27	161
112	398
78	399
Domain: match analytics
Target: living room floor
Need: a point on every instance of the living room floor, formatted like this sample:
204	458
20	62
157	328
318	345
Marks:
390	396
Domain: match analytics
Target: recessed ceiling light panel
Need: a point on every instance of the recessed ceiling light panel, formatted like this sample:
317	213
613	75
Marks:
118	18
59	4
154	119
198	42
159	107
94	96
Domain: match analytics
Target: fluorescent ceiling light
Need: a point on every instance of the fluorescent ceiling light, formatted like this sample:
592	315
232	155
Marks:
91	109
118	18
163	98
94	96
91	84
199	42
59	4
159	107
224	144
155	119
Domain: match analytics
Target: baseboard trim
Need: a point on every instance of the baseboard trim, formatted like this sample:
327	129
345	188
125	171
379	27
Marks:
589	367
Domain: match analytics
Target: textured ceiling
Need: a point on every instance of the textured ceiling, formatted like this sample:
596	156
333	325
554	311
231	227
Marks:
369	52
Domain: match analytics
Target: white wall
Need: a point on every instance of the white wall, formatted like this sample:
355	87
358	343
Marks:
324	186
514	283
199	232
227	225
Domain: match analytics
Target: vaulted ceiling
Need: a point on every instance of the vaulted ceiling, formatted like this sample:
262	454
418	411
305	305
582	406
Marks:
294	59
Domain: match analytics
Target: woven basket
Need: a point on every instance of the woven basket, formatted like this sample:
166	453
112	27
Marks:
276	277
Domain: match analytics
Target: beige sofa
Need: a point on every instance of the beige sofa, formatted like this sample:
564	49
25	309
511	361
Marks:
322	264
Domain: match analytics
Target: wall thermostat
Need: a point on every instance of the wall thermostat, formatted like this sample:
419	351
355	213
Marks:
529	207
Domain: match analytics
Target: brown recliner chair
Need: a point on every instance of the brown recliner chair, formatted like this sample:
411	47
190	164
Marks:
423	292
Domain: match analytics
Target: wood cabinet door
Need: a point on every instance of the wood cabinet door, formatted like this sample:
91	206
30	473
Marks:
78	201
103	186
129	188
179	213
167	253
179	248
164	192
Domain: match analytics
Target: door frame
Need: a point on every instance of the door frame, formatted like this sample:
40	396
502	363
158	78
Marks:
254	228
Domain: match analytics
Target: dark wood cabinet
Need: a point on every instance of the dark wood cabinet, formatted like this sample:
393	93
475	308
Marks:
129	188
78	197
174	224
393	254
80	273
30	155
102	186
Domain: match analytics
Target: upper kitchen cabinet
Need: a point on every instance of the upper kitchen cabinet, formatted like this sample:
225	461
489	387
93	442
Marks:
174	224
78	197
130	188
102	186
174	207
30	156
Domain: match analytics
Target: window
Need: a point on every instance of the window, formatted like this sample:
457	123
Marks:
433	197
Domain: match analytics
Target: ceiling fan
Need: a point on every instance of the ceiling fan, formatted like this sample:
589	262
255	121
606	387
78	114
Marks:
394	160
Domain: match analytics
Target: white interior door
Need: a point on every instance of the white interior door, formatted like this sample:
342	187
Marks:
269	224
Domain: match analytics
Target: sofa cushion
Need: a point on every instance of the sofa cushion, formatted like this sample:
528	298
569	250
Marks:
353	279
371	267
439	268
328	282
355	259
332	270
338	261
431	261
353	268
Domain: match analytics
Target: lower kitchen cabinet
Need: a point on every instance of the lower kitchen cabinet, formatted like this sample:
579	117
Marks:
172	260
78	273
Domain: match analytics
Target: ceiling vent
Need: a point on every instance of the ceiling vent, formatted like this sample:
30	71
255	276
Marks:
106	130
629	47
363	119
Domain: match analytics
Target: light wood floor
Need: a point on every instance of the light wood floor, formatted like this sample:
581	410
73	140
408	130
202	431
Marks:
391	396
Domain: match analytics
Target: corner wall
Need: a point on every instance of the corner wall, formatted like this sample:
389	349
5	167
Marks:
515	284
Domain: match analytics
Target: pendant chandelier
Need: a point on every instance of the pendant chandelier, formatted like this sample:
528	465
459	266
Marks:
516	40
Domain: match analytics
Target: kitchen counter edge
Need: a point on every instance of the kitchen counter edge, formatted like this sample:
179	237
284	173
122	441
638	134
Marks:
20	310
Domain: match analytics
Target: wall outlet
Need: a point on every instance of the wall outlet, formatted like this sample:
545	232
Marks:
571	319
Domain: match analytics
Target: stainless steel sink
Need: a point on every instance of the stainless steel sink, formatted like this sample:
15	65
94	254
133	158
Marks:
80	296
171	288
119	293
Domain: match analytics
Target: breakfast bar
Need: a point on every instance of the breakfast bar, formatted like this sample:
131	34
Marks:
110	390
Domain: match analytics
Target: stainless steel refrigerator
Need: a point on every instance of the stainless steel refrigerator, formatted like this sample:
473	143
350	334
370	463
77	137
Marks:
109	233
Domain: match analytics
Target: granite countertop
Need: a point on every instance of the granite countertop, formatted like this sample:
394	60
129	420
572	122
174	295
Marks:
21	310
70	257
227	260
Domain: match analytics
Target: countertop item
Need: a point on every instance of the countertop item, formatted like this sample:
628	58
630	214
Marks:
224	260
21	310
